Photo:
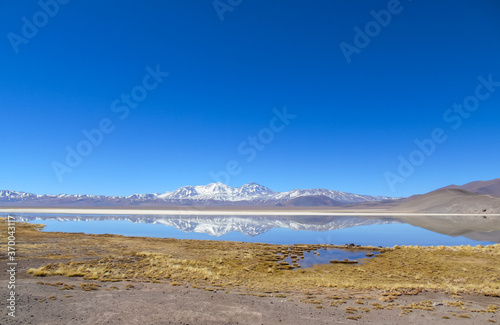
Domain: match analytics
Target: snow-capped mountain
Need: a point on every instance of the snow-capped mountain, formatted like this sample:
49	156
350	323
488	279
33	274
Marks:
6	195
334	195
219	192
215	194
260	194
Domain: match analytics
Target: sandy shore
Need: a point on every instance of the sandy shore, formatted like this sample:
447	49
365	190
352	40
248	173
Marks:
227	212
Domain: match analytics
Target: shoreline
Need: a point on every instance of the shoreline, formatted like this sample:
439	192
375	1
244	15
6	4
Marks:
227	212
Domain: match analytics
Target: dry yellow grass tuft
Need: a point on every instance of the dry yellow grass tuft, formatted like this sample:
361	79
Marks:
67	287
492	308
464	316
38	272
89	286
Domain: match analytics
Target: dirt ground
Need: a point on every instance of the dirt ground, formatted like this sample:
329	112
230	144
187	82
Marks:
43	300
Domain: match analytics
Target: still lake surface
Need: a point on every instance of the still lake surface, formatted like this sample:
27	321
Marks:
337	230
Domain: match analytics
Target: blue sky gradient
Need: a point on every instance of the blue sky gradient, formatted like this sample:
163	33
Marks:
354	123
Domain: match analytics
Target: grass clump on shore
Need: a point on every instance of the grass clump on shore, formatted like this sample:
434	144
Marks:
89	286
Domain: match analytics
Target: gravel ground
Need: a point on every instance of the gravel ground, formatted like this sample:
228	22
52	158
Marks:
162	303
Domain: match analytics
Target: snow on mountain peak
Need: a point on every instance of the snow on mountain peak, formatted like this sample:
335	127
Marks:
251	193
254	189
183	192
214	188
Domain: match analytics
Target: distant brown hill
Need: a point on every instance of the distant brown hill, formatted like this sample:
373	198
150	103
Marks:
481	187
449	200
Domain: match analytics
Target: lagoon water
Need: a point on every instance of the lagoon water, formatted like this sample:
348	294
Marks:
337	230
324	256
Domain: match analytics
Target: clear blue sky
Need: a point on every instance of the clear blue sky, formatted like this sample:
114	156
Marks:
352	120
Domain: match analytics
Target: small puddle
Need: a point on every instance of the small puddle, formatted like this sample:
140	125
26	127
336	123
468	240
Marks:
326	256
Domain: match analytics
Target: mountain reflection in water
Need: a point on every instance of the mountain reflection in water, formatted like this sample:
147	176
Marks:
338	230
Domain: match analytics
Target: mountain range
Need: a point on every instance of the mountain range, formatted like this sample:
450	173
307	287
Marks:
479	197
215	194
